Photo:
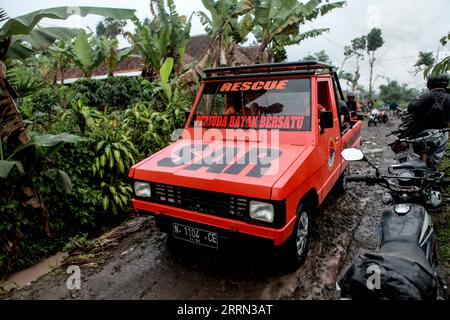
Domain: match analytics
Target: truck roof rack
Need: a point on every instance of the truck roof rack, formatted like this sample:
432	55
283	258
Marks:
269	68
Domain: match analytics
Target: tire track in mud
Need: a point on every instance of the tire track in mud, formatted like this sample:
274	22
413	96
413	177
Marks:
346	225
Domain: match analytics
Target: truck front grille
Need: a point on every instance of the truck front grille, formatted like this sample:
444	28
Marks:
208	202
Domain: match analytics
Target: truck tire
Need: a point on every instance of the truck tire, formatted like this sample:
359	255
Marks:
341	184
295	249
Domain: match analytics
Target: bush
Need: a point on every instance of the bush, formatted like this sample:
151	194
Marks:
137	120
113	92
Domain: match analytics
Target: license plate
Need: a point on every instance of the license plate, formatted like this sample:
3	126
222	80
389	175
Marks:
195	235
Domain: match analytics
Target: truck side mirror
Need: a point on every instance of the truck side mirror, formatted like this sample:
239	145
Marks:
352	154
326	120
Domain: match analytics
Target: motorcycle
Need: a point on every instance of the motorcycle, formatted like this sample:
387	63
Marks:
373	120
405	266
384	117
426	149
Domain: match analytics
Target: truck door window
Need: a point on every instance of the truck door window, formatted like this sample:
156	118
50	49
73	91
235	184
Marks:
283	104
323	98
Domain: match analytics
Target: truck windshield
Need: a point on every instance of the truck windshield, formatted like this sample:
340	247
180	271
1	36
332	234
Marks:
283	104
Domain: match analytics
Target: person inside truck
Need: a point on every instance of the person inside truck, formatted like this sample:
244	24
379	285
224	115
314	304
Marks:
233	105
351	103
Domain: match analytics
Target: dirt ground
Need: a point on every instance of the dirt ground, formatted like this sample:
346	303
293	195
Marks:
144	266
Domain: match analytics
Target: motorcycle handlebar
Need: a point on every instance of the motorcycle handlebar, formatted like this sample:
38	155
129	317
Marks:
421	138
363	179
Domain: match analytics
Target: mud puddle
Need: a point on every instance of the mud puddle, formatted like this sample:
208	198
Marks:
23	278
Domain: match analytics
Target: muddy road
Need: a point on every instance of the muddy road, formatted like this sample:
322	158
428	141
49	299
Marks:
144	266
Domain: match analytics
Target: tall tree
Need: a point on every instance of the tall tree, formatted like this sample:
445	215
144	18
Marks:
356	49
374	42
426	59
395	92
110	28
277	22
321	56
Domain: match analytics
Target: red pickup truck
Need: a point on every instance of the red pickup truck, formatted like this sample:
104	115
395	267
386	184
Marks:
260	151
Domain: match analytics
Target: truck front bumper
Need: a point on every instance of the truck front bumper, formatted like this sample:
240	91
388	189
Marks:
228	226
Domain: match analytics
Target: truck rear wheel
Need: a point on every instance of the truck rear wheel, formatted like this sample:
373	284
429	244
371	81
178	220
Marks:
296	247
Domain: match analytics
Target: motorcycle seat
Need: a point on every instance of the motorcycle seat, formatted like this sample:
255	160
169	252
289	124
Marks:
412	164
407	251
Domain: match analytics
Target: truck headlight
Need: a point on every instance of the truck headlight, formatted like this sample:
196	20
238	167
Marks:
261	211
142	189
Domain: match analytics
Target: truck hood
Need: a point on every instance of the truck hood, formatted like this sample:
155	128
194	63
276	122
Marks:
243	168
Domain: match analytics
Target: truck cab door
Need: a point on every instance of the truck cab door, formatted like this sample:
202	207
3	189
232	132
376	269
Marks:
329	142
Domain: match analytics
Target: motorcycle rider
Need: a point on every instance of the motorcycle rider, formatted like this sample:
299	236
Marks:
431	110
421	105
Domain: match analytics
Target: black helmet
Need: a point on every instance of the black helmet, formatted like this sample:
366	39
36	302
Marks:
440	81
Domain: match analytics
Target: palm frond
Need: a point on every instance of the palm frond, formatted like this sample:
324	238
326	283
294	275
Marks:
3	15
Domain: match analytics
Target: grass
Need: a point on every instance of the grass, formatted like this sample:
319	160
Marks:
442	225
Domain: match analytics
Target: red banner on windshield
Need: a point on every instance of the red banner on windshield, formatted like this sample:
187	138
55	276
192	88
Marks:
253	122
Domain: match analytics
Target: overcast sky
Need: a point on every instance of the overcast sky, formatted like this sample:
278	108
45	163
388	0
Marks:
408	26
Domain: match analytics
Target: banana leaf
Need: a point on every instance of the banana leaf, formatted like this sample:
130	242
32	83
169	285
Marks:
26	23
7	166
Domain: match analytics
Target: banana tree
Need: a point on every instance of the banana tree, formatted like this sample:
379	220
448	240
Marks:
28	164
277	22
224	26
166	35
60	53
112	55
87	53
20	38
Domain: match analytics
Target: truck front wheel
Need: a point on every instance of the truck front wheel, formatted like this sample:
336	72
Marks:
296	247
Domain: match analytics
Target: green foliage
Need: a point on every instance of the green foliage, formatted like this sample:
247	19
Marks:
22	28
164	74
443	66
442	226
79	242
318	56
110	28
374	40
6	167
394	92
24	81
42	103
426	59
279	21
165	36
115	92
87	53
228	23
112	55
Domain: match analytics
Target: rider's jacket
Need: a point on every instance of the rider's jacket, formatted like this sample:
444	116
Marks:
421	105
